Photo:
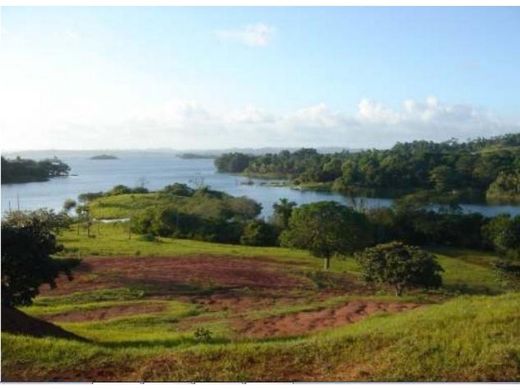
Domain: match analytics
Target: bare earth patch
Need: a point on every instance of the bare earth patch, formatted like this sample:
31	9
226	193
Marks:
308	321
174	275
105	313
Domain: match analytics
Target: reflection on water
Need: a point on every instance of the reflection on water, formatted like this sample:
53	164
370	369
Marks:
155	170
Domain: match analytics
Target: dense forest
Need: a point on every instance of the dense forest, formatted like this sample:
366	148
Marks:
446	171
20	170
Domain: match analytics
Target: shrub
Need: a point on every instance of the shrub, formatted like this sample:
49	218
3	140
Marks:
202	335
401	266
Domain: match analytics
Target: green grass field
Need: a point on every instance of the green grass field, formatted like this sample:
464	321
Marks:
203	323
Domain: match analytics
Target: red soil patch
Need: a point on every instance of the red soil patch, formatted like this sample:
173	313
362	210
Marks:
171	275
304	322
105	313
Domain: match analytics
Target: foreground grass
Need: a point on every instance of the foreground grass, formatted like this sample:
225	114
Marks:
467	338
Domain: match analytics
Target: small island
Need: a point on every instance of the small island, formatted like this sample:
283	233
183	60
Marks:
104	157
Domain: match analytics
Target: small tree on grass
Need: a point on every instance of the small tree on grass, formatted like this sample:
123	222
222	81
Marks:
401	266
326	229
27	248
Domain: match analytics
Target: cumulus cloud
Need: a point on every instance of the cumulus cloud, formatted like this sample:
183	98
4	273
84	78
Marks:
374	112
258	34
250	115
191	125
372	124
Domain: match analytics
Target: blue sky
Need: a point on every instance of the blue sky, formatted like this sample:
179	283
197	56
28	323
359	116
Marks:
208	77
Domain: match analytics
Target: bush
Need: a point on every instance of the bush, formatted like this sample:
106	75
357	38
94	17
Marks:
202	335
401	266
178	189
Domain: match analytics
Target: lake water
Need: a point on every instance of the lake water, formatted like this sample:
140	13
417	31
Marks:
156	170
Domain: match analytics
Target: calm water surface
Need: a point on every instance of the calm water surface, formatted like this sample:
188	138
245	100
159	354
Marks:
156	170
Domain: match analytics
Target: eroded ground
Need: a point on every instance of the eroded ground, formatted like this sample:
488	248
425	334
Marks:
248	297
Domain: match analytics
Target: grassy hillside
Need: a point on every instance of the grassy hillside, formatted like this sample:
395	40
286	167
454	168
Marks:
185	310
468	338
464	269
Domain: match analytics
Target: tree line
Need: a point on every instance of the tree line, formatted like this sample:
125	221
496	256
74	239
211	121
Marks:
20	170
448	170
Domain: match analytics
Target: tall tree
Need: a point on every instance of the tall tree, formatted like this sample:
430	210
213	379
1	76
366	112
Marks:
282	211
326	229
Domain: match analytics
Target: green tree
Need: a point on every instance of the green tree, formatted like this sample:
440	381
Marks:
443	178
282	211
69	204
506	186
27	262
401	266
326	229
503	232
258	233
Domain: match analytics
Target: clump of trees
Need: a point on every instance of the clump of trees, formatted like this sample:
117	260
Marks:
202	214
400	266
506	186
28	248
428	227
233	162
326	229
503	234
20	170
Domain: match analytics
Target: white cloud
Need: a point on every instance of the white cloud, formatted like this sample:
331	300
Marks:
373	112
250	115
191	125
258	34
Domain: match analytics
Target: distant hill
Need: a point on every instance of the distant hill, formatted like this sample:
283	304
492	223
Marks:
104	157
193	156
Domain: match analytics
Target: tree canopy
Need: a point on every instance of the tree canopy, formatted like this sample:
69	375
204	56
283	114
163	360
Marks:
27	249
326	229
